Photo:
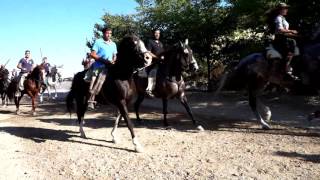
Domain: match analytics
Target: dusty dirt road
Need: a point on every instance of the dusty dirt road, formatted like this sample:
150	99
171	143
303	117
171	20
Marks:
49	146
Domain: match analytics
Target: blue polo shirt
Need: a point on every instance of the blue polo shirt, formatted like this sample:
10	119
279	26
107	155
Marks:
104	50
27	64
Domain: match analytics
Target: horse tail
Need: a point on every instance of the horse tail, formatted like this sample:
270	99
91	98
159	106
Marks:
237	78
221	83
77	91
12	89
69	101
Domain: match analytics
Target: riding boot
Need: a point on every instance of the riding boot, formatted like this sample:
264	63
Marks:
151	82
91	101
93	80
150	87
289	68
22	78
92	93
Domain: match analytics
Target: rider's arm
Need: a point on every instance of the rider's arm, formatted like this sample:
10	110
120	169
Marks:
98	58
114	58
94	55
281	29
19	66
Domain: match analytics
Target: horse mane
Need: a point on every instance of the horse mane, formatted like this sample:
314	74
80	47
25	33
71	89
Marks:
35	73
4	73
171	66
128	58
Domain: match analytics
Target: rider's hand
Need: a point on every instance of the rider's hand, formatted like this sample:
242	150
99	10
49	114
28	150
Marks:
294	31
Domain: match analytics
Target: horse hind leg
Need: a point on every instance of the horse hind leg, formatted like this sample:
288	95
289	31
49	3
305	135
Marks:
17	103
4	101
165	111
184	102
137	106
113	132
81	108
266	112
55	92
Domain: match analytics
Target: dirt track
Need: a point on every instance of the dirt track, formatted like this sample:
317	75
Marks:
48	146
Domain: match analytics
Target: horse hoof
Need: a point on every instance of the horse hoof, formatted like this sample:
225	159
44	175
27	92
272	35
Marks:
139	149
18	112
115	141
83	136
200	128
34	113
311	117
266	127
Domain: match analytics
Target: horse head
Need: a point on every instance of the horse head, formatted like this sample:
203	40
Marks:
131	52
186	58
4	73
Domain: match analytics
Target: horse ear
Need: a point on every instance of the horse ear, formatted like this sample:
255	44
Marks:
186	41
180	43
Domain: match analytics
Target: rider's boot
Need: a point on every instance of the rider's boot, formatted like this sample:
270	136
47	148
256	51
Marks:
92	94
91	102
289	69
150	87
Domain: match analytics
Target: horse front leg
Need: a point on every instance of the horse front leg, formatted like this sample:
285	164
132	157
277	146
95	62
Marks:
165	111
124	113
184	102
55	92
34	104
17	102
253	99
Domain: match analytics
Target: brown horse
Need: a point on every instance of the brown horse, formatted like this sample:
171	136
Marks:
32	86
169	83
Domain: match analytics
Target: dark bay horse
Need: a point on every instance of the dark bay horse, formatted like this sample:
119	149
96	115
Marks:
254	72
4	84
118	88
169	82
32	86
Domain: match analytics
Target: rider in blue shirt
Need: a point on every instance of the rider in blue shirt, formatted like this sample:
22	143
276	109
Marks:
26	65
46	65
104	51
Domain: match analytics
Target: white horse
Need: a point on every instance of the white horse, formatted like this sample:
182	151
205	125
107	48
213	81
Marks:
52	80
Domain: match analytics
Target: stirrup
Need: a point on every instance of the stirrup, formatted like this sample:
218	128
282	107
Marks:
91	106
17	94
93	102
149	93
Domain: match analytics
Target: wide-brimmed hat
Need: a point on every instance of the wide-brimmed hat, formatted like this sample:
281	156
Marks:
283	5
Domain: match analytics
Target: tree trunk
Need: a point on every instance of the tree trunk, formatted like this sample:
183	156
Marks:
209	84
